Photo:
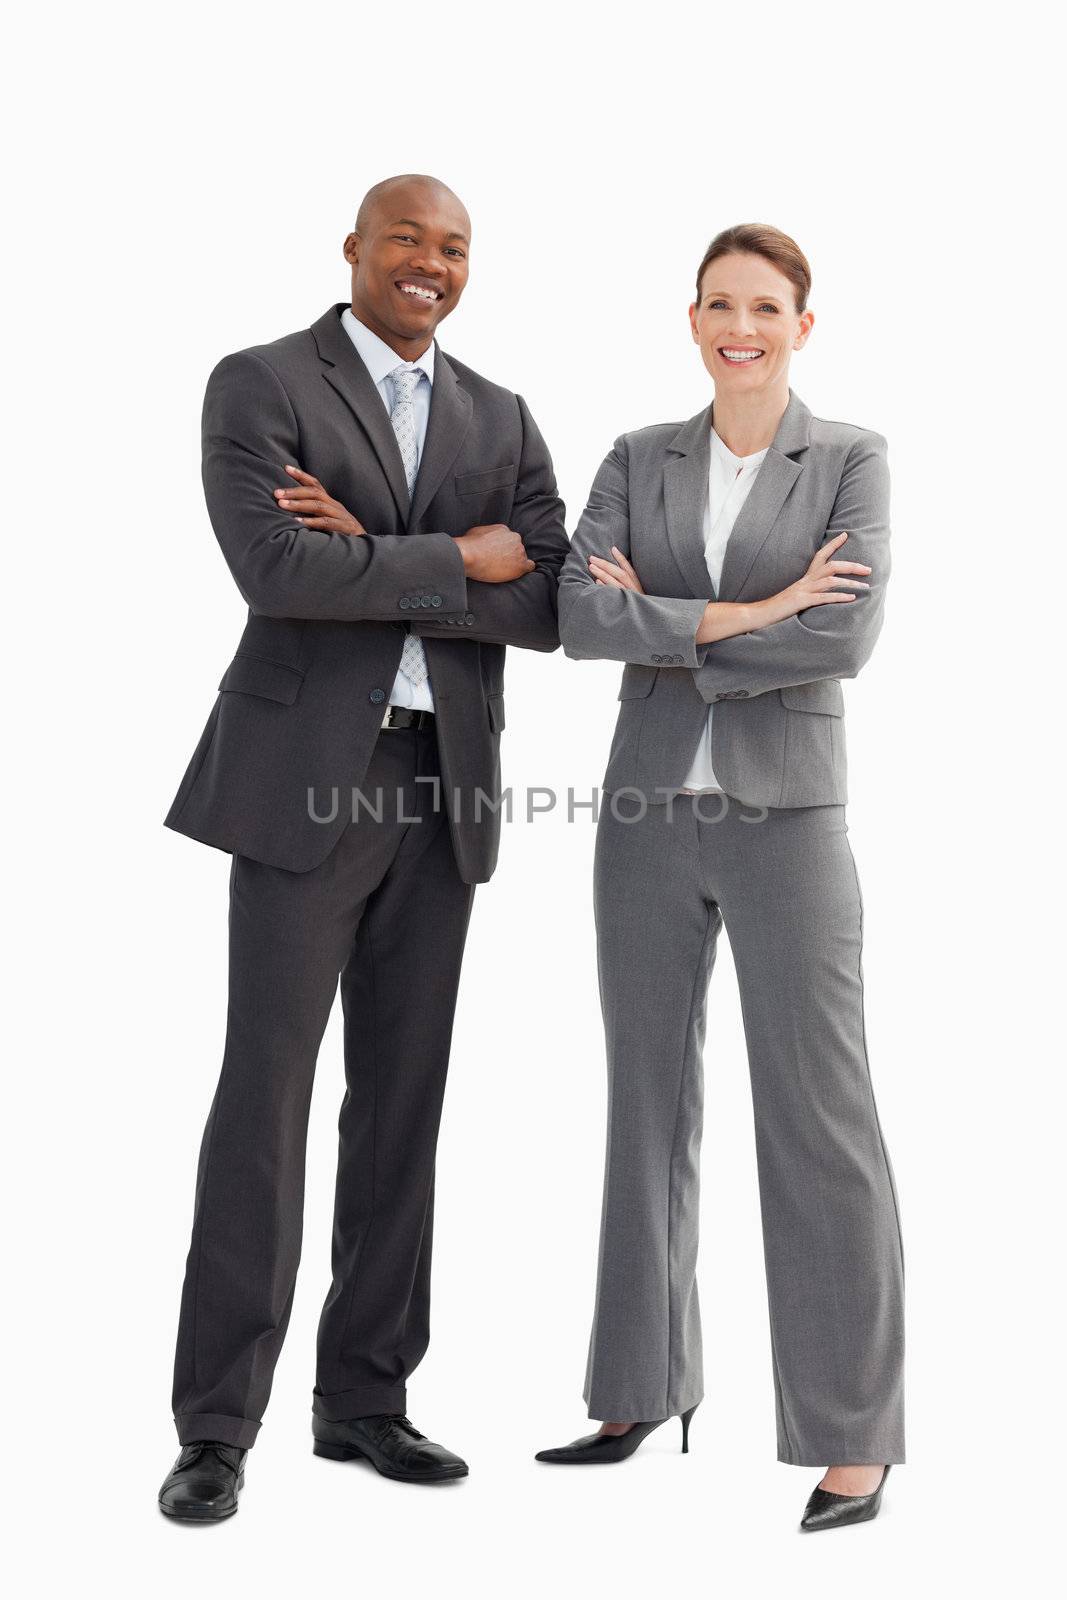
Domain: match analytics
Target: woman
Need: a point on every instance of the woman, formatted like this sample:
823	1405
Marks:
737	564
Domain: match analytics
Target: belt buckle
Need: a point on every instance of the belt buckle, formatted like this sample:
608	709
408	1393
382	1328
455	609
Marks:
420	718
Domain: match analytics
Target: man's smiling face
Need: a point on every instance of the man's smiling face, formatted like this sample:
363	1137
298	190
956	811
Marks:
409	262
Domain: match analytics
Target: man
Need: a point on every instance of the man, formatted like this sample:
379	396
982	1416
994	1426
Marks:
351	766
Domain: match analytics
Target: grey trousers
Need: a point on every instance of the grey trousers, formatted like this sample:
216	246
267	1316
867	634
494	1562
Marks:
784	882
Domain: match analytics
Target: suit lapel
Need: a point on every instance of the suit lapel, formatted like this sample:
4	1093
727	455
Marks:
686	487
775	478
343	369
450	416
777	474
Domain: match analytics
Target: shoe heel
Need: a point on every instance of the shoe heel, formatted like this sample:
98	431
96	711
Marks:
687	1417
335	1452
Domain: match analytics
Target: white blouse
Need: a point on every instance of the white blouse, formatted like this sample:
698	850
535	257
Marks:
730	478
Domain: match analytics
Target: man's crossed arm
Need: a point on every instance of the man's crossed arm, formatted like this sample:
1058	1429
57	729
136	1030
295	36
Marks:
328	567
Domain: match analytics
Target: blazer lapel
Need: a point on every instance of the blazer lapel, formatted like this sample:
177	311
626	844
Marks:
343	369
777	474
685	489
450	416
685	493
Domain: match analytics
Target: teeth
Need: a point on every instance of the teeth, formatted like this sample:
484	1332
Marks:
423	294
742	355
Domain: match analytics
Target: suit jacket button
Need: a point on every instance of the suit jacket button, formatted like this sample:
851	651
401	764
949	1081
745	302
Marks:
377	696
435	600
679	658
469	618
741	694
404	602
657	658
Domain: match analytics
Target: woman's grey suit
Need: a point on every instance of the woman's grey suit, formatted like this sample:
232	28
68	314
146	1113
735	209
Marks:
770	859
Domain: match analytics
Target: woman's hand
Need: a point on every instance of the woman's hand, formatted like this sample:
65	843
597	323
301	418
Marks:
317	508
825	583
617	574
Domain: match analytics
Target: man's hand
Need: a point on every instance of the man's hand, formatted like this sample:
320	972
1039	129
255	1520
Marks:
617	574
317	509
493	553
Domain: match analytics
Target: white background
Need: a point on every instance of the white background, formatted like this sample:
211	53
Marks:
181	184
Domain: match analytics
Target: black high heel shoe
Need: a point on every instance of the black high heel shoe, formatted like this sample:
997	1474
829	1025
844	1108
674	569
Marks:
611	1447
827	1510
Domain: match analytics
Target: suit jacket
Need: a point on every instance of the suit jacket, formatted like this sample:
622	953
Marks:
777	732
300	705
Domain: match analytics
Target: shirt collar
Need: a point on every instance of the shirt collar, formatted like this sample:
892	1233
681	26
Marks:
378	358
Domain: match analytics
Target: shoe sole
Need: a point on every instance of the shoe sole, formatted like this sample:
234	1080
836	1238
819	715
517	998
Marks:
345	1452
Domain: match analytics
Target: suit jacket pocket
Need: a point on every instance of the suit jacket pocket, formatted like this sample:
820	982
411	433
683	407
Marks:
495	706
825	696
637	681
272	680
482	482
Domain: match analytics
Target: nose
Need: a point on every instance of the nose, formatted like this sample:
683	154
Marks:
428	261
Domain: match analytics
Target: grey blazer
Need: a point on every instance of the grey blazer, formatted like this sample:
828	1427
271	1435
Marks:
300	705
777	732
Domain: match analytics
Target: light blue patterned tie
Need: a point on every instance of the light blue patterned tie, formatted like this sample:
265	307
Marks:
405	380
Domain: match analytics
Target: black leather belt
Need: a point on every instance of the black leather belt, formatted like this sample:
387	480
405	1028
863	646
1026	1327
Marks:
405	717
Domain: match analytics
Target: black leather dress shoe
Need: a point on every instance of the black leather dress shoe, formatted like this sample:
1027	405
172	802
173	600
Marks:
204	1482
392	1445
605	1447
827	1510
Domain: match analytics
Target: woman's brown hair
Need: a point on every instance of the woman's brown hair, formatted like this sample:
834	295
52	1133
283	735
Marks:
760	239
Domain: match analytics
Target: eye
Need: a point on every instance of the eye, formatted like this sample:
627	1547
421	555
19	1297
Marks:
453	251
767	308
408	238
714	305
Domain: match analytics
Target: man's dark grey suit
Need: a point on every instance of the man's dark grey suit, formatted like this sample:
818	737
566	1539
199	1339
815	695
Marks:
382	904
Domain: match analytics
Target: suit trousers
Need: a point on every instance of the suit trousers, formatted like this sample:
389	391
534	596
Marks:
387	914
784	883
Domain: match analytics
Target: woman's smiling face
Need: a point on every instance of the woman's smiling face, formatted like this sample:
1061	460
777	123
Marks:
746	323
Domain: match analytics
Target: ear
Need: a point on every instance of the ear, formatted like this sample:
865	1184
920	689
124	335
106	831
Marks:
807	322
350	249
693	323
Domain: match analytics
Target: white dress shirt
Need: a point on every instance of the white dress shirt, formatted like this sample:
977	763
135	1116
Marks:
730	478
379	361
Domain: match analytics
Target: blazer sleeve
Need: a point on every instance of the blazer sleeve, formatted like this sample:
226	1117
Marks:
522	612
283	569
599	623
827	641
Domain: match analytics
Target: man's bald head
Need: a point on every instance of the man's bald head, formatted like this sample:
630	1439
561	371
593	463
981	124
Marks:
389	190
